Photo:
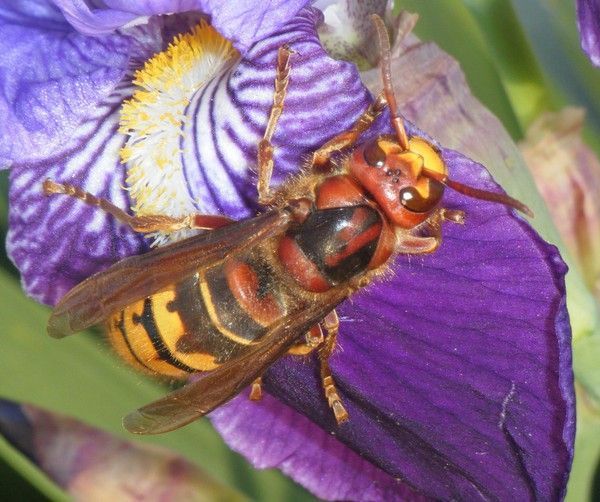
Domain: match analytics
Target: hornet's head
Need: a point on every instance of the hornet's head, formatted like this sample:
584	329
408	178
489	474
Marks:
407	175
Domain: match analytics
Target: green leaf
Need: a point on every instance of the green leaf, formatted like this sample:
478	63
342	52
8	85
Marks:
513	58
587	452
551	27
14	461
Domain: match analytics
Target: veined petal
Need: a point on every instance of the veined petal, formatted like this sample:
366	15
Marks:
57	242
324	97
456	372
588	19
226	117
242	22
51	78
301	449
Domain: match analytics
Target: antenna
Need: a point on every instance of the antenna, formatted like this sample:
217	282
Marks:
477	193
390	97
386	74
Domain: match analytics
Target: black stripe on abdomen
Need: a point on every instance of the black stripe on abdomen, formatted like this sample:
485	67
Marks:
230	317
149	324
120	325
201	336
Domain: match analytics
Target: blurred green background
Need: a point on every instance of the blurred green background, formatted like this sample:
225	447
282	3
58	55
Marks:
521	58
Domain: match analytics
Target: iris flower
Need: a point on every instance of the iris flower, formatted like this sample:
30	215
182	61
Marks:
456	371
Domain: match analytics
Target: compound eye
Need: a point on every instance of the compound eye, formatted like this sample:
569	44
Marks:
374	155
412	199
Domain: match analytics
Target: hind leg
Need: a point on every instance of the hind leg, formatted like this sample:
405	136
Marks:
325	345
331	323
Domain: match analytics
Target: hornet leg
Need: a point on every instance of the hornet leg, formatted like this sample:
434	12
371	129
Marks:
321	157
312	339
265	147
141	224
331	324
256	390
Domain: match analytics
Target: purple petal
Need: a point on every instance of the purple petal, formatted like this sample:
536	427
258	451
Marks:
58	242
242	22
464	387
304	451
63	115
457	372
39	104
52	78
588	19
324	98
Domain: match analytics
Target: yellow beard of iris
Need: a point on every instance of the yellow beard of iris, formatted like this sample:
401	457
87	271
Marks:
154	117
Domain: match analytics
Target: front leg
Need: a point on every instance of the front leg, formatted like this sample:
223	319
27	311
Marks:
265	147
416	244
321	157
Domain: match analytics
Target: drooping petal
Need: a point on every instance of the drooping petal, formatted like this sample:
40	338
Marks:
90	464
242	22
588	19
456	372
567	173
51	77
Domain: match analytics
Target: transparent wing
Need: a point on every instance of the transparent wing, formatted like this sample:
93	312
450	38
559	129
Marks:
136	277
198	398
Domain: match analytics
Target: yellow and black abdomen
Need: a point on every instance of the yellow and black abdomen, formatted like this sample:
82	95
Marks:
201	322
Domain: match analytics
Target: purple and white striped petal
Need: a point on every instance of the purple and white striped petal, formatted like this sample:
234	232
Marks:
57	242
52	78
243	22
227	118
588	20
456	373
225	121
